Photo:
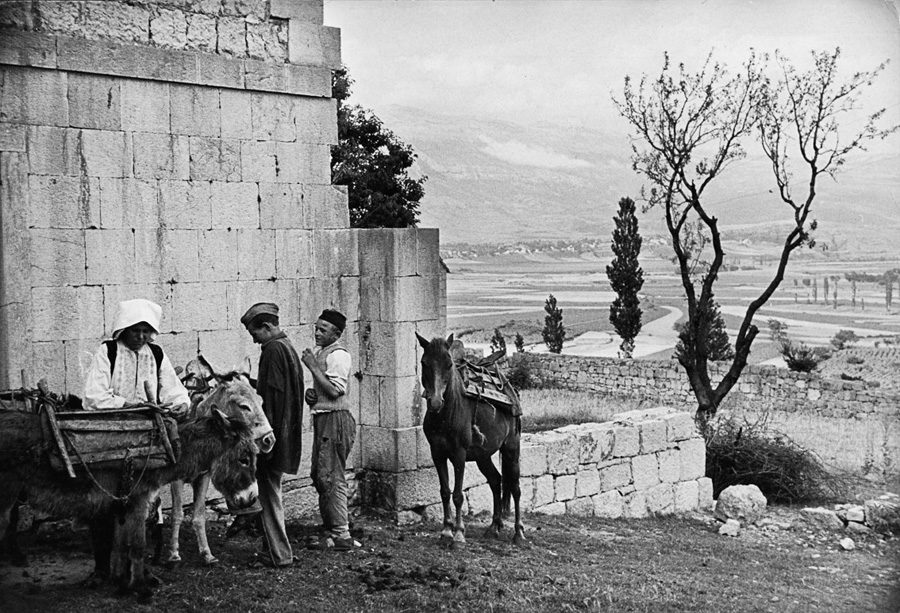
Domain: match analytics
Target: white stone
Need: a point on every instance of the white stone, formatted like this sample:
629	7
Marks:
742	502
822	518
731	527
645	471
608	504
847	544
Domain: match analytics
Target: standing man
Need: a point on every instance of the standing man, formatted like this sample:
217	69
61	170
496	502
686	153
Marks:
333	428
279	383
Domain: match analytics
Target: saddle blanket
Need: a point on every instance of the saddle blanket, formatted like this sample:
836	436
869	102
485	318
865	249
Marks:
490	385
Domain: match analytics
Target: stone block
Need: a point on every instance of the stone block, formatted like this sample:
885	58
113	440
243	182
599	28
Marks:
57	257
325	206
94	102
289	162
12	137
145	106
580	507
294	256
692	455
608	504
236	117
281	206
110	257
66	312
388	252
174	252
388	349
264	76
267	41
161	156
614	476
472	477
225	349
660	499
595	443
180	347
21	48
588	482
626	441
310	11
104	154
341	293
293	295
415	488
184	204
687	494
302	502
232	37
336	253
428	260
131	61
272	117
168	28
52	151
680	426
49	363
215	159
705	500
255	254
33	96
200	306
58	16
565	487
117	20
78	355
129	203
307	80
218	255
544	492
653	436
201	32
219	71
258	161
562	454
314	45
63	202
389	449
526	494
644	471
234	205
480	499
554	508
669	465
195	110
423	450
401	298
242	294
391	402
532	458
634	505
315	120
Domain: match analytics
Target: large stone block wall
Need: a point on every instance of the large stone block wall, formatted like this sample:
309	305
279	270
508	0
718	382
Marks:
640	463
850	424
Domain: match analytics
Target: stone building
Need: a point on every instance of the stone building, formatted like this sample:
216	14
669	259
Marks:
180	151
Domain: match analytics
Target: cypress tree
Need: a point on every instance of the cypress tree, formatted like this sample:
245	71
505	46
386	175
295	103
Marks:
626	277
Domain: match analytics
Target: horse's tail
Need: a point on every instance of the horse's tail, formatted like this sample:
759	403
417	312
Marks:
509	470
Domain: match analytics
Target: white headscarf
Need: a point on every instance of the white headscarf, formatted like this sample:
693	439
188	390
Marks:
136	311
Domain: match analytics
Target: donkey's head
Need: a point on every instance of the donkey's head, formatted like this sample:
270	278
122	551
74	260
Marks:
234	471
437	370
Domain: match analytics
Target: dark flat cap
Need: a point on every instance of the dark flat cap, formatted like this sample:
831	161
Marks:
260	308
336	318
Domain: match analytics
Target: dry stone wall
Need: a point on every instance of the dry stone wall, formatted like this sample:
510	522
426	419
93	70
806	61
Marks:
850	424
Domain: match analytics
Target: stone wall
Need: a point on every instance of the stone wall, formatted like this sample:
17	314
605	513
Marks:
640	463
850	424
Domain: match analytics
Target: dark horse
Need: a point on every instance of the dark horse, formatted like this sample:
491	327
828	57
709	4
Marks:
449	422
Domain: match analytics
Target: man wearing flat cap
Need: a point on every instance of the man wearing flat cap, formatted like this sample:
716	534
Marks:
334	429
279	383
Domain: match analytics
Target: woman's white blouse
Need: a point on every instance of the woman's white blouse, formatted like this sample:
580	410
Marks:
105	390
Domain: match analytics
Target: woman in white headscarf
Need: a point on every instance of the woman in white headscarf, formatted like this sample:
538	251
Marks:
121	367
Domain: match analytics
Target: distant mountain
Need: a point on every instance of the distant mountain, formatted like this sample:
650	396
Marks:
491	181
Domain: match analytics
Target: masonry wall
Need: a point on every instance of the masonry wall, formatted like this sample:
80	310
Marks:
850	424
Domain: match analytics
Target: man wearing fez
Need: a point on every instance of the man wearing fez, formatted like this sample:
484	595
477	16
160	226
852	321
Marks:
333	429
279	383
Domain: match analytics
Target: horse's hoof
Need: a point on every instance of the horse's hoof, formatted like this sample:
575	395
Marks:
210	560
518	538
493	532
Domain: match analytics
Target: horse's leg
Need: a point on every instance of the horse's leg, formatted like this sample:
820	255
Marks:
198	518
458	459
440	464
509	465
177	489
490	472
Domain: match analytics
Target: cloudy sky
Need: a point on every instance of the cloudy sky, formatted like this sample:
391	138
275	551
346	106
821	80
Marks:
559	60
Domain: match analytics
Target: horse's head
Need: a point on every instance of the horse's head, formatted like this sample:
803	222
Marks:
437	370
234	471
232	394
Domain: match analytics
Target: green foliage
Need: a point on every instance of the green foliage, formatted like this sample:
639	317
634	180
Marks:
554	333
777	330
498	343
521	376
626	277
802	358
710	325
520	343
745	453
374	164
844	339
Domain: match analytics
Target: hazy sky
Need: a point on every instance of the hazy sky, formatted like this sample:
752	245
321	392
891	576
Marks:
558	60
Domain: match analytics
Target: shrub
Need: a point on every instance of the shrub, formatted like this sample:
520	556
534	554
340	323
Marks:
844	339
521	377
519	342
855	359
745	453
498	343
802	358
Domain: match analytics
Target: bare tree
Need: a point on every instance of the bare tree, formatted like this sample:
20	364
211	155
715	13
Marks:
689	128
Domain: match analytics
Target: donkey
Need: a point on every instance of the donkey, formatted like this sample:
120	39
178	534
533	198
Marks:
232	394
213	443
449	422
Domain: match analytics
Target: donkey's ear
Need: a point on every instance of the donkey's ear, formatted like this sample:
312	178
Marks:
204	368
450	339
244	367
422	341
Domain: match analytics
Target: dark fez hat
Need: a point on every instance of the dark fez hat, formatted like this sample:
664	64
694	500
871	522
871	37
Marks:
336	318
260	308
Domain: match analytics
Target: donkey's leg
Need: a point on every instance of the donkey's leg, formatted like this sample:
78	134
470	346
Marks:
458	459
10	537
487	468
136	538
177	489
198	518
509	465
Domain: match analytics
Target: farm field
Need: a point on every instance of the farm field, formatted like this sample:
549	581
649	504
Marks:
508	292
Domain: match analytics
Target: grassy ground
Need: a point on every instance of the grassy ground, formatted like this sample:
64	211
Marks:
549	409
569	564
